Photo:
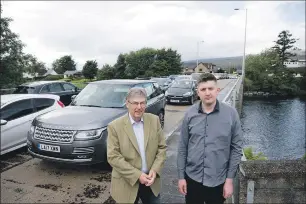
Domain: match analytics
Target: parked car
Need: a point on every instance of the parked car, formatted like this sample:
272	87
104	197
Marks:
182	77
164	83
182	91
17	113
78	133
61	88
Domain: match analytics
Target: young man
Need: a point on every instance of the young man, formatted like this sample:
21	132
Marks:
136	149
209	150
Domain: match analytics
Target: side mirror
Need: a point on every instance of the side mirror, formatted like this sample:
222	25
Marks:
3	122
73	97
76	89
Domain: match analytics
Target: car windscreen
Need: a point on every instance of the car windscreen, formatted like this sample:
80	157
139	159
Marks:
24	90
181	84
162	81
102	95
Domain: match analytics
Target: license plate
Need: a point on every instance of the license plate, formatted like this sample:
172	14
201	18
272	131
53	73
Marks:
175	101
49	148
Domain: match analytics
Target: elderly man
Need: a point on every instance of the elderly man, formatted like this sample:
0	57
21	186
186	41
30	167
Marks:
210	149
136	149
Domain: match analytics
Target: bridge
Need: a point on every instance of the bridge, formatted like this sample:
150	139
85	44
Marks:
30	180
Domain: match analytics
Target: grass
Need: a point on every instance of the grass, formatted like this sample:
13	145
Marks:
80	83
248	152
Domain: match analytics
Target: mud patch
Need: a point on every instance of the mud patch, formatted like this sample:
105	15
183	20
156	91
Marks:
48	186
110	200
103	177
93	191
12	181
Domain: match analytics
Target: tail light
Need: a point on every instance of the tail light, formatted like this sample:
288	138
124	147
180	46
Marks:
61	104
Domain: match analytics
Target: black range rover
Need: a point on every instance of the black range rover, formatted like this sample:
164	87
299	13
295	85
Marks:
77	133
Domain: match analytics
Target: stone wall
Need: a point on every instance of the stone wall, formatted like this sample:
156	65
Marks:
282	181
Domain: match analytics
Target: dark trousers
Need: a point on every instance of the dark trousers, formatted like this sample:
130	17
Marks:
198	194
146	195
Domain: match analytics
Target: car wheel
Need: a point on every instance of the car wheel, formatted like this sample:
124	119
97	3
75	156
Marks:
161	117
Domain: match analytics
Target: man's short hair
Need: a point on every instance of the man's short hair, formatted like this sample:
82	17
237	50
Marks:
136	91
206	77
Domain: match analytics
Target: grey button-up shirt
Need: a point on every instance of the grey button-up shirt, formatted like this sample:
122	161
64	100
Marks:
210	146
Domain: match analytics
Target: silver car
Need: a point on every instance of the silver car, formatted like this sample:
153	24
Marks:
17	114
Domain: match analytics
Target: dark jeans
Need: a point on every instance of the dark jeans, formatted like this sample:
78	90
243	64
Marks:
146	195
198	194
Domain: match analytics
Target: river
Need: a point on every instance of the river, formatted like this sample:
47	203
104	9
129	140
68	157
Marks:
275	127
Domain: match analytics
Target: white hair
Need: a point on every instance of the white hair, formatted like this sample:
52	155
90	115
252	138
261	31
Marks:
136	91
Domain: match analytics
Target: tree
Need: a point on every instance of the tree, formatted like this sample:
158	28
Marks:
33	66
120	67
152	62
284	45
107	72
90	69
65	63
11	53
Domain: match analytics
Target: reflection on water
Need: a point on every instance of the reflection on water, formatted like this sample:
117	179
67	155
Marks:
275	127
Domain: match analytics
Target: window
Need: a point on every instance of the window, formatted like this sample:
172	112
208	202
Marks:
24	90
43	103
200	70
56	87
17	109
149	89
68	87
44	89
156	89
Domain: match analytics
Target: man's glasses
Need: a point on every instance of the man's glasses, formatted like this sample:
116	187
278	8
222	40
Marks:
134	103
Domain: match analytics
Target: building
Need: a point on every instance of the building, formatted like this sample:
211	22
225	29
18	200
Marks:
201	68
50	72
74	73
300	63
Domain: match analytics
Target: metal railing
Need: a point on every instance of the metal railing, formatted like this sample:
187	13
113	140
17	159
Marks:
230	99
231	96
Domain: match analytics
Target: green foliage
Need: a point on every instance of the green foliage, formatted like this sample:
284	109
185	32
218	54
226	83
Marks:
107	72
120	67
63	64
90	69
33	66
304	157
283	45
248	152
54	77
264	71
11	55
146	62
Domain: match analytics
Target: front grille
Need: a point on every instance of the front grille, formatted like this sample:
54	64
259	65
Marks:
171	96
83	150
54	135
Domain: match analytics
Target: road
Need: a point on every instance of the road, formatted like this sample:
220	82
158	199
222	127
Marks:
27	180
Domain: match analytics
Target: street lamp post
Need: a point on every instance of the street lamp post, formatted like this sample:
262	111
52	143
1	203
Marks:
245	33
198	48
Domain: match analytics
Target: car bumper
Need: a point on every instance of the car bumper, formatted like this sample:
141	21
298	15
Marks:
178	99
78	152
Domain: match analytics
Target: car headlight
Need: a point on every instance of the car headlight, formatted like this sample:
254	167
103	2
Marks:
32	130
187	94
89	134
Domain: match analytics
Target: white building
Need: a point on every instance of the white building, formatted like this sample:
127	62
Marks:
295	63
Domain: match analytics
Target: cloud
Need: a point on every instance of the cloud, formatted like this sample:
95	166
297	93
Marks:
102	30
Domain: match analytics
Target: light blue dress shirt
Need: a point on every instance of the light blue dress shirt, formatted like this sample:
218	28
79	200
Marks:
139	133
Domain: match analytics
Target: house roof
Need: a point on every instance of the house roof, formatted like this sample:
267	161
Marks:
71	72
194	65
50	72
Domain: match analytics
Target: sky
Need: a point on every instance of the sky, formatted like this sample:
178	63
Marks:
101	30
